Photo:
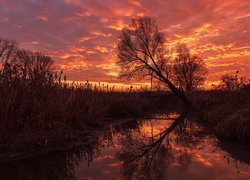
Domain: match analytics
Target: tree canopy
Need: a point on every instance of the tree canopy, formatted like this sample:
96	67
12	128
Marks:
142	52
189	70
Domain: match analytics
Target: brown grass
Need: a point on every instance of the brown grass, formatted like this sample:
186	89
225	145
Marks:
37	107
226	112
55	111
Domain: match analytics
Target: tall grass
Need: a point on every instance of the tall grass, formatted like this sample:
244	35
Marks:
37	106
54	111
227	112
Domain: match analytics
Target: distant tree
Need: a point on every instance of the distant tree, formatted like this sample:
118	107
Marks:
23	64
35	65
8	50
233	82
8	67
189	70
142	53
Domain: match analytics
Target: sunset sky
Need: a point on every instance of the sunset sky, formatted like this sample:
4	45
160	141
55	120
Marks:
82	35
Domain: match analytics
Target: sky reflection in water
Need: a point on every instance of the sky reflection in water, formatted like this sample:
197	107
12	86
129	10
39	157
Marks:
143	149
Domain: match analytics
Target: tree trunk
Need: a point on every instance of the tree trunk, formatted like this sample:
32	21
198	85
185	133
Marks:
177	92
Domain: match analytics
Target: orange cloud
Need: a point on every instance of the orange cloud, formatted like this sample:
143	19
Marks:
83	35
101	49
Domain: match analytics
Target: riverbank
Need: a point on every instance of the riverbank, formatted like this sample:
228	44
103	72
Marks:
227	113
155	103
55	117
89	137
46	117
115	146
18	152
54	112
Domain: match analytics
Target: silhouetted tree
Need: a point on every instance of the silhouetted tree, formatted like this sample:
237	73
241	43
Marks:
142	53
23	64
233	82
189	70
35	66
8	50
8	64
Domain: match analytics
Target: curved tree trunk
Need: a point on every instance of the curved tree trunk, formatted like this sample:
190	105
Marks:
175	90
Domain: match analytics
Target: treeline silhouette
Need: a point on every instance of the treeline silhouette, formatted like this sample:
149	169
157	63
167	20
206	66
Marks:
142	52
226	108
38	106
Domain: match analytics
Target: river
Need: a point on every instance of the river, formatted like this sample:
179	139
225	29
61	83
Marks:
170	146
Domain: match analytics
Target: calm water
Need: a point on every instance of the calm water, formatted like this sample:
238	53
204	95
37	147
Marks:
141	149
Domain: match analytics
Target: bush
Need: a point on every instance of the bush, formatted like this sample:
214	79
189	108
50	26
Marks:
226	112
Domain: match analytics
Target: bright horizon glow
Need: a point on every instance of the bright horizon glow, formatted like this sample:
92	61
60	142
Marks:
117	86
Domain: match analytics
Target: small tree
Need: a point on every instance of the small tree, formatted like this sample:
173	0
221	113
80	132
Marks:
8	50
8	67
23	64
189	70
34	65
233	82
142	53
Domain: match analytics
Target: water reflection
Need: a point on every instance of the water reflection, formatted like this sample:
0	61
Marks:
51	167
147	153
173	148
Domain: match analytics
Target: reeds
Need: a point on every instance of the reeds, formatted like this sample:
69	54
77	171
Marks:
39	107
226	112
37	112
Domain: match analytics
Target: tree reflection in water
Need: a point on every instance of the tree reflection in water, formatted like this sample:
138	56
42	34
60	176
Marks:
56	166
148	157
144	149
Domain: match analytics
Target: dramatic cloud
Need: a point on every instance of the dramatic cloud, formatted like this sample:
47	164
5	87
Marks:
82	35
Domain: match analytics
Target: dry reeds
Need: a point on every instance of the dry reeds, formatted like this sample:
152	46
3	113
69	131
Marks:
36	105
226	112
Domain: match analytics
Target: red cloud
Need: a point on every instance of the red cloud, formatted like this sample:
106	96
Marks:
81	35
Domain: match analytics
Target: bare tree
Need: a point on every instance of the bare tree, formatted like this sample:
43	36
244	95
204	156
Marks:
35	65
16	63
7	50
189	70
8	65
142	53
233	82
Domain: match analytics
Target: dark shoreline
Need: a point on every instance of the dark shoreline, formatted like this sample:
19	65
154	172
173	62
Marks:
206	111
227	113
20	152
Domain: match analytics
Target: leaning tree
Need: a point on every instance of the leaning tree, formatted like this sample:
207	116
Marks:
141	52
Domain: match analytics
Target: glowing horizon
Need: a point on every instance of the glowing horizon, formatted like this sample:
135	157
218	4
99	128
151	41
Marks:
81	35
